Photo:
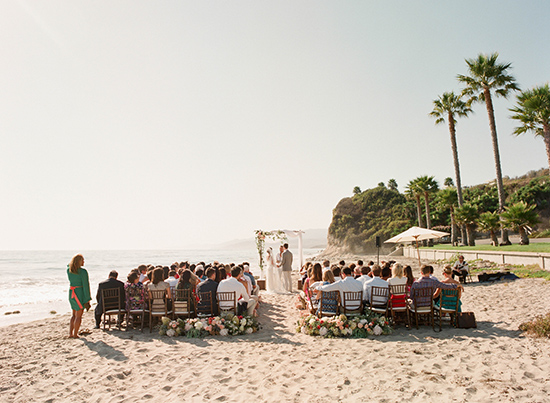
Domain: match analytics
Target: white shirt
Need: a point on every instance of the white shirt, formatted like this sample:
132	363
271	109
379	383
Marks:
374	282
229	285
346	284
142	277
172	281
364	278
397	281
326	269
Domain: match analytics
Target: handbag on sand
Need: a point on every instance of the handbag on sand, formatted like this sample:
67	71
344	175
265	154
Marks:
466	320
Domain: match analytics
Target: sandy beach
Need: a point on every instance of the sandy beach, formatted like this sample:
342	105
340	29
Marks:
491	363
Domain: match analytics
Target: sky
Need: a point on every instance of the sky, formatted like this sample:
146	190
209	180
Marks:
184	124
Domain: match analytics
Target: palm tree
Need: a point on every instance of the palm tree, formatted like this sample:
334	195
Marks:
448	106
428	186
486	76
448	182
415	193
533	111
392	184
519	217
447	199
490	222
468	215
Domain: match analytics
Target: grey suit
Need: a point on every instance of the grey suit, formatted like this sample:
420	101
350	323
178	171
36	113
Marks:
286	264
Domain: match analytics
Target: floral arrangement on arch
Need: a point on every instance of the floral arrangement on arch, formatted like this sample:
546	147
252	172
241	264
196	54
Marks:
225	325
260	242
342	326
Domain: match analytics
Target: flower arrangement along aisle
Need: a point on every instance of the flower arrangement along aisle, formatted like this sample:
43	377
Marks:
342	326
225	325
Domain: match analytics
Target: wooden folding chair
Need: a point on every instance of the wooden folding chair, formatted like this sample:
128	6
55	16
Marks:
449	301
398	303
158	306
138	310
205	306
353	303
329	303
422	305
183	304
113	306
379	300
227	302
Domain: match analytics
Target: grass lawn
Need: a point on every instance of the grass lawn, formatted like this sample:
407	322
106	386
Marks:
534	247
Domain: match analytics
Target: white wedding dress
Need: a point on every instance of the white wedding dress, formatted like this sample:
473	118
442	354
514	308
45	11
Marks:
273	281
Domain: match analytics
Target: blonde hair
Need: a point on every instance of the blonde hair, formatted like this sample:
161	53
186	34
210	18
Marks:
397	270
448	269
328	276
76	263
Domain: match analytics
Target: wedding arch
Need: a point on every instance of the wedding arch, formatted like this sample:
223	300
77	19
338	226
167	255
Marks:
281	235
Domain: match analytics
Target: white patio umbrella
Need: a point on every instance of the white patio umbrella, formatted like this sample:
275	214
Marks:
415	234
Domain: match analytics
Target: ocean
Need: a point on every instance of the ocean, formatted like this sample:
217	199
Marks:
35	282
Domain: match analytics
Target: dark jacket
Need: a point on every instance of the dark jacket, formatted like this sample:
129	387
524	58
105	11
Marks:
210	286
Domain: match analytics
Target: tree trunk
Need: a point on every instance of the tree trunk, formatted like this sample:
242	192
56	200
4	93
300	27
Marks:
454	228
546	137
464	234
427	203
494	239
419	211
524	239
494	138
471	235
454	148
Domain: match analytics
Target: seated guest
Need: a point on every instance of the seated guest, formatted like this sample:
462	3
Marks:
172	280
365	270
326	265
108	284
336	271
185	282
158	283
134	291
200	274
376	281
397	278
410	278
428	282
223	274
448	301
304	271
250	277
348	283
210	285
316	276
386	272
143	273
461	269
233	284
432	272
342	264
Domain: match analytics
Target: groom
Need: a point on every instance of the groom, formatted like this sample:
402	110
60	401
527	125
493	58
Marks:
286	264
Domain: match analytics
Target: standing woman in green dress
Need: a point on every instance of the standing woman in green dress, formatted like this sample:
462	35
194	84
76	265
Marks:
79	293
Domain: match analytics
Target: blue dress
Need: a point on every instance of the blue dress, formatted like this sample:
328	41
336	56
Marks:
79	291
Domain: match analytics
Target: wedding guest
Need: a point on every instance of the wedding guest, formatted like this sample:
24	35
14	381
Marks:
232	284
410	278
432	272
223	274
328	278
158	283
397	278
134	292
376	281
326	265
210	285
359	264
386	272
336	271
108	284
184	282
348	283
79	293
286	266
172	280
174	267
304	271
250	277
316	275
365	270
143	273
342	264
200	274
448	279
371	264
428	282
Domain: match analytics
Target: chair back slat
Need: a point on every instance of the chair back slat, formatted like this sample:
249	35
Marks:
205	306
328	303
379	297
353	302
227	301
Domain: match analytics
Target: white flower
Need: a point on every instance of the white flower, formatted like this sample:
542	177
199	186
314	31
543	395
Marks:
304	330
243	322
377	330
249	330
323	331
312	321
224	332
170	332
198	325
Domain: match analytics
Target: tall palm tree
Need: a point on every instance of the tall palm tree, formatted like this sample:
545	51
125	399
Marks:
520	216
468	215
414	192
533	111
449	106
428	186
487	76
490	221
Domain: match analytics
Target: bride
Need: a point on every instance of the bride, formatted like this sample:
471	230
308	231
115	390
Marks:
273	282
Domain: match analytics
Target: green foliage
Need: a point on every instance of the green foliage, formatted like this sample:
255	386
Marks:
519	215
533	110
448	182
392	184
381	185
536	192
489	221
483	197
356	190
468	214
538	327
375	212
